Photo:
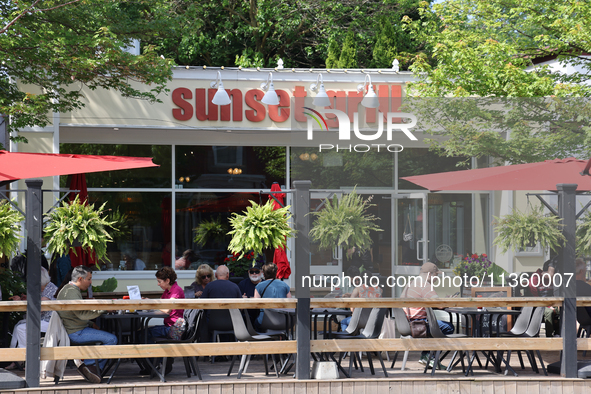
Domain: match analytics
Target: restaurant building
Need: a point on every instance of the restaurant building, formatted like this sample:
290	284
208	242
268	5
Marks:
215	158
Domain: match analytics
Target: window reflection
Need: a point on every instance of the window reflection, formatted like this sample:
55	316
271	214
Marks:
229	167
147	230
153	177
212	210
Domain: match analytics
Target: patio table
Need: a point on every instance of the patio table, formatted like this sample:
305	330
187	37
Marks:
137	323
476	319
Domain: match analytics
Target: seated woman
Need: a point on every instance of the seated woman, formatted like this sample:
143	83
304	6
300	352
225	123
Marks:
203	276
19	335
270	288
166	278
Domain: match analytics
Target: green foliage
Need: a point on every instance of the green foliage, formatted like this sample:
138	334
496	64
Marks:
489	49
519	230
109	285
121	224
344	223
480	266
54	50
334	52
256	33
259	227
210	230
240	264
348	58
385	50
78	222
583	235
10	226
12	284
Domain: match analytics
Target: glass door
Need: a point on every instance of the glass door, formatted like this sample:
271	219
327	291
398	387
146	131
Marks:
409	235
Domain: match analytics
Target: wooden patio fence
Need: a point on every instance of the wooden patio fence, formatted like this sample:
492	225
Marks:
289	346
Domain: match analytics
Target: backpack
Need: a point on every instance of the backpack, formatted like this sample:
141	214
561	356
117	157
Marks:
184	326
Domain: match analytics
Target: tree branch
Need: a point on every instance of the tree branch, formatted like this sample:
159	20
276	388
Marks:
30	10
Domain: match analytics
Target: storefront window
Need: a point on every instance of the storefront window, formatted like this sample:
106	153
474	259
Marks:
152	177
229	167
142	245
212	210
334	170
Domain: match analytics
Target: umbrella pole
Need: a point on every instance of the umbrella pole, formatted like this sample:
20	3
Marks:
34	222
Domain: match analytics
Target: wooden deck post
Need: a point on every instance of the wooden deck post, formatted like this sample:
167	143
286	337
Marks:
34	222
301	204
567	211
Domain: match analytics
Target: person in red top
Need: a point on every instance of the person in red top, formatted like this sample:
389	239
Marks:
166	278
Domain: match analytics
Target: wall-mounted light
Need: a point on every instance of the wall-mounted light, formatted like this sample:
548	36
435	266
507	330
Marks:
371	98
221	96
270	97
234	171
321	99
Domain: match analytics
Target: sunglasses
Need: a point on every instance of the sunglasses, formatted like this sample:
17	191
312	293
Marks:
254	272
206	276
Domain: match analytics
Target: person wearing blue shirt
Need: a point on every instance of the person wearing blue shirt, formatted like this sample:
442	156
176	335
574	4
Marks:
270	288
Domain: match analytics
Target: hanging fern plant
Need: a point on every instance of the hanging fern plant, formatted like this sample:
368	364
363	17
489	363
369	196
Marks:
80	223
344	223
259	227
519	230
10	227
210	230
583	235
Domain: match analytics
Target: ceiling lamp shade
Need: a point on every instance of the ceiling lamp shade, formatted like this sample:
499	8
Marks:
321	99
371	99
221	96
270	97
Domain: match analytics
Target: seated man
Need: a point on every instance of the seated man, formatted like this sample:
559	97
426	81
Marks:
78	324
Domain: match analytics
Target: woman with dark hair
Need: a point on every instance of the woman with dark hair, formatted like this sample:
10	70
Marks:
270	288
188	258
166	278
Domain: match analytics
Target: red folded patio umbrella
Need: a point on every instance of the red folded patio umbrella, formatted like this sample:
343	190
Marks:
531	176
280	257
21	165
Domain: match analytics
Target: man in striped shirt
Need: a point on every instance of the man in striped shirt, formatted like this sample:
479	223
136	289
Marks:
421	288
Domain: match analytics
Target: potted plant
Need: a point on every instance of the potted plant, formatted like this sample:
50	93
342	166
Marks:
10	227
583	235
344	223
78	224
210	230
240	264
258	228
520	230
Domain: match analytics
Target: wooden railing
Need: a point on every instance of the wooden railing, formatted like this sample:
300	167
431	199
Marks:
289	346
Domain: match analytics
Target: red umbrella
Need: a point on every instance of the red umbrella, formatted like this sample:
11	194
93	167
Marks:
80	256
532	176
280	257
20	165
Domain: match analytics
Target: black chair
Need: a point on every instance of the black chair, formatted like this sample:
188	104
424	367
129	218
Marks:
371	331
274	324
219	323
192	319
584	324
243	334
436	356
403	329
533	330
